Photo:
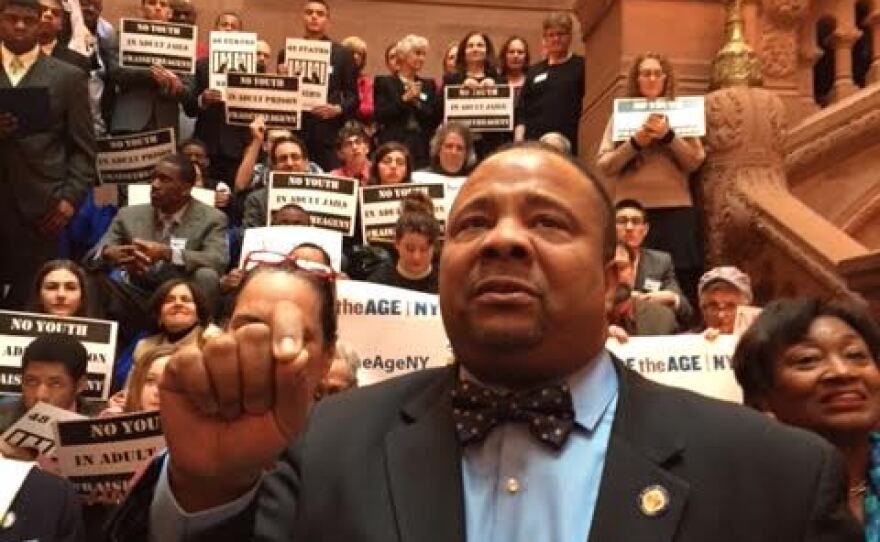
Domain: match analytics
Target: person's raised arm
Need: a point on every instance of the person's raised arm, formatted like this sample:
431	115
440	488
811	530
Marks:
251	155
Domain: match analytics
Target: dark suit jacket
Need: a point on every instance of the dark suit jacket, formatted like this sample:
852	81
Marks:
382	464
203	227
59	163
140	104
64	54
412	125
45	508
656	265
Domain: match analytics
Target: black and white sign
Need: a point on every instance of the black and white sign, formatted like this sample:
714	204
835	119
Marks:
275	97
482	109
143	44
330	201
18	329
231	52
310	61
132	158
685	114
35	430
100	455
380	208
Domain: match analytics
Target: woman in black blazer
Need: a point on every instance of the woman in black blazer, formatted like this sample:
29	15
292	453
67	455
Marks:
406	105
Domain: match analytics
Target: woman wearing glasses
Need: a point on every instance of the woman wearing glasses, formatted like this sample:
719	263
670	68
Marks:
654	167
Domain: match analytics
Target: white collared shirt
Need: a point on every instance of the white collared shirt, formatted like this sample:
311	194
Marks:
49	48
27	61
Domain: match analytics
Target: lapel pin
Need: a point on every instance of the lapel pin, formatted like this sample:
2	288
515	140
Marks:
653	500
8	520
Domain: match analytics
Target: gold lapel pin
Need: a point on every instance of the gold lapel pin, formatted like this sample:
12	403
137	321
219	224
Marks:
8	520
653	500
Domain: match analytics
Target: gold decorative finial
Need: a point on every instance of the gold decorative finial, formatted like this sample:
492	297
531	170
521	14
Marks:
736	64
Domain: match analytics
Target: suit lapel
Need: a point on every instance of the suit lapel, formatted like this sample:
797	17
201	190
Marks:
424	469
636	481
38	75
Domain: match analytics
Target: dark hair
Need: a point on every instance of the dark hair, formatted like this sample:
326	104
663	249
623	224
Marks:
192	141
417	216
351	128
502	55
440	136
58	348
488	64
36	302
783	323
229	14
30	4
288	139
184	166
631	204
632	88
322	2
384	150
313	246
325	289
203	311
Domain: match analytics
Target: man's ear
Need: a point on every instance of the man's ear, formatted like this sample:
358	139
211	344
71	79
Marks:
612	278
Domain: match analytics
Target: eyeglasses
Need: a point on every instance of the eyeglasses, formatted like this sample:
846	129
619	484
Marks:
718	308
652	74
555	35
260	258
634	220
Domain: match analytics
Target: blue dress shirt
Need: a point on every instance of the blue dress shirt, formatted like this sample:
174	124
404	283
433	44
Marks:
517	489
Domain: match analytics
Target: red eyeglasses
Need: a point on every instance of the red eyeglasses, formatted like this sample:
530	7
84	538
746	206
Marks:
268	258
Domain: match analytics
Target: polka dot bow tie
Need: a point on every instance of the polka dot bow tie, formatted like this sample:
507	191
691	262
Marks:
547	411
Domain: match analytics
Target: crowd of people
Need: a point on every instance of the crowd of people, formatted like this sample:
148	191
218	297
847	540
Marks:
540	260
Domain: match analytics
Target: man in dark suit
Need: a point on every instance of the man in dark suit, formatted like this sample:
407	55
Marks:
322	123
51	25
45	171
44	506
535	434
104	58
172	236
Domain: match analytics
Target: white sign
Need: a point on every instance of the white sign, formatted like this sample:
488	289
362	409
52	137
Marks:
274	97
13	473
133	158
482	109
380	208
684	361
139	194
686	115
330	201
310	61
18	329
453	184
101	454
231	52
143	44
283	239
394	331
35	429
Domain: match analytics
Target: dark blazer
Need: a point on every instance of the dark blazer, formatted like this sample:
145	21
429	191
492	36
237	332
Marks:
656	265
382	464
140	104
203	227
59	163
410	124
64	54
45	508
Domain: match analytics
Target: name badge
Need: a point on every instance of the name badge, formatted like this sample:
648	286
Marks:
423	96
540	78
653	285
178	243
330	69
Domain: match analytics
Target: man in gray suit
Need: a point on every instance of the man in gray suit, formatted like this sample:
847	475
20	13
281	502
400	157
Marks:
172	236
47	158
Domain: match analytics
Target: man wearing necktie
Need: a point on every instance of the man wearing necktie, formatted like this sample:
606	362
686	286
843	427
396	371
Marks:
535	434
45	171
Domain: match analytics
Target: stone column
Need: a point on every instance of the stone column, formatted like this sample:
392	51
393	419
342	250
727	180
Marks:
872	22
841	42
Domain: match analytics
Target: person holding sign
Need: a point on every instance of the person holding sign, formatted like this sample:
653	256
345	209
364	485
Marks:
523	282
288	154
42	506
814	364
415	236
60	290
654	167
407	106
392	165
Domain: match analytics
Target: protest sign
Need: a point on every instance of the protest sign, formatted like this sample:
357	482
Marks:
685	114
35	429
133	158
380	208
139	194
101	454
30	106
684	361
310	61
745	316
230	52
482	109
13	473
18	329
274	97
394	331
453	184
330	201
143	44
283	239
